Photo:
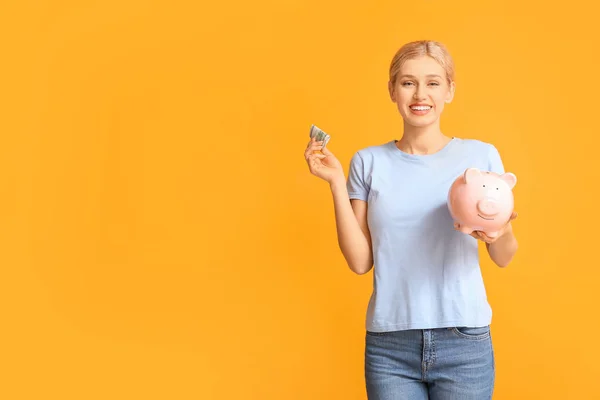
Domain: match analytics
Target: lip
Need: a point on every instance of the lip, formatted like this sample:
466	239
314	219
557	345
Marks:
420	104
487	219
420	112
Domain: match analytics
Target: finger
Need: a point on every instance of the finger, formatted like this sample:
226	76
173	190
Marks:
315	159
315	164
326	151
477	235
315	145
312	149
311	142
486	238
311	152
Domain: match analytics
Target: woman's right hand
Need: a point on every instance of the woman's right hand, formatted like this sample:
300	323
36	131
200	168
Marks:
322	162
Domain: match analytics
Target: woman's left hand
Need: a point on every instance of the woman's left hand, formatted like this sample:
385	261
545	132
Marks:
485	238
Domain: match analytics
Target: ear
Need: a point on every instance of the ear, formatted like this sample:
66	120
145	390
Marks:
510	179
451	91
471	174
391	91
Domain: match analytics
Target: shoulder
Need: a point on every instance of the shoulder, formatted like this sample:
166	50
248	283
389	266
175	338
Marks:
369	153
477	146
482	153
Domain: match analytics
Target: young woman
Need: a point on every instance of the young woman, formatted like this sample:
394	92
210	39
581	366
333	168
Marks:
428	334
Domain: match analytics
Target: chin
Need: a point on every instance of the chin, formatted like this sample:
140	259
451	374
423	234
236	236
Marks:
419	122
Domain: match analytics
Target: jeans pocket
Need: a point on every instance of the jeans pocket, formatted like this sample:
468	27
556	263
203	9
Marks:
473	333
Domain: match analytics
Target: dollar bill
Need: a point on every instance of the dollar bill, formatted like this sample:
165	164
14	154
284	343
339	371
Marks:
319	135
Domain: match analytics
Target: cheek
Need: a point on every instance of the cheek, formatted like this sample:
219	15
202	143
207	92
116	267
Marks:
440	101
403	97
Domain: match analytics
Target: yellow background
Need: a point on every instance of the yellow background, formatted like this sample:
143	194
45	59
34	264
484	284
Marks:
162	237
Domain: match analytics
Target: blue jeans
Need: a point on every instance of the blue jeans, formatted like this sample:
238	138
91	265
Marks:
439	364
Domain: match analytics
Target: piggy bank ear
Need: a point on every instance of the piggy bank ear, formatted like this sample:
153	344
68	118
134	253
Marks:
510	179
471	174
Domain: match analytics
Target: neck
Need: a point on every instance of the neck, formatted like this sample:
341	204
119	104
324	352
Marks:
422	140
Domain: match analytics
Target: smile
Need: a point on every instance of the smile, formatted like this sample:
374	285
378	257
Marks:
487	219
420	110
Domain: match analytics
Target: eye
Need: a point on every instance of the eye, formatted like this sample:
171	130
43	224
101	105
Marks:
406	83
435	83
483	185
496	188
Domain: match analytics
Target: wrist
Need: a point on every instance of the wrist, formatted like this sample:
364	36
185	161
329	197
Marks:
507	231
338	182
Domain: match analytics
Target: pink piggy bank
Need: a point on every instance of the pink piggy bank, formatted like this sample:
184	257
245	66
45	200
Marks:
482	201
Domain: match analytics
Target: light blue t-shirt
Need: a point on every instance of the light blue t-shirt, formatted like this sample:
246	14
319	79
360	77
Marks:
426	274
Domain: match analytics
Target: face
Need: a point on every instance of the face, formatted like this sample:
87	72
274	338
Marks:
421	90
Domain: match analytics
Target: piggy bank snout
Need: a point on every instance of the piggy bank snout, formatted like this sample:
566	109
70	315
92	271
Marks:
488	207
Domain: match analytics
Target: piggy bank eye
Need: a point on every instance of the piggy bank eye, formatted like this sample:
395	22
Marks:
483	185
496	188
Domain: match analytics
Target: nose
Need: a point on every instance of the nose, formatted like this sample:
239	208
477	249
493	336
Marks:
488	207
418	94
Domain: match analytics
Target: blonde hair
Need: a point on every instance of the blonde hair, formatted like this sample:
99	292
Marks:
431	48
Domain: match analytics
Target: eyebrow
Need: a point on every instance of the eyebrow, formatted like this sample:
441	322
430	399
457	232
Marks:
429	76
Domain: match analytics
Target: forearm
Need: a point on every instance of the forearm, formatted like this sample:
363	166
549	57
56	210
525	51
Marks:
503	250
353	242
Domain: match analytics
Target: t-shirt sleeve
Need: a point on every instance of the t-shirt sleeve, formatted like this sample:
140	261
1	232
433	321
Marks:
356	183
495	161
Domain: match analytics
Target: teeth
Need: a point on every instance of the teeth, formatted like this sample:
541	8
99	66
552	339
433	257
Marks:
421	108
